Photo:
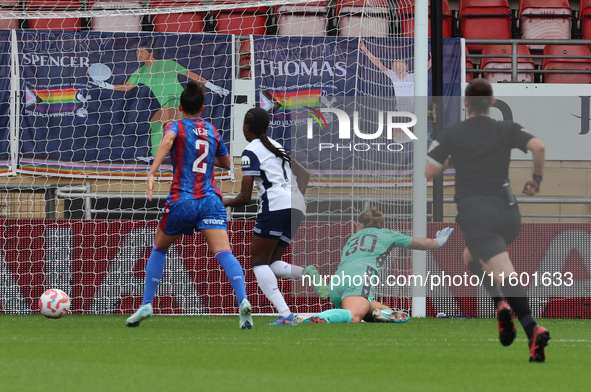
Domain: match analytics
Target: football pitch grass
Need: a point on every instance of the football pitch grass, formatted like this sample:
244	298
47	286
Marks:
174	353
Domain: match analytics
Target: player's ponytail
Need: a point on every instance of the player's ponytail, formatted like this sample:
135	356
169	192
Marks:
372	218
479	94
257	120
192	98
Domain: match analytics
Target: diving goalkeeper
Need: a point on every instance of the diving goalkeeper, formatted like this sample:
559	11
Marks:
364	255
161	77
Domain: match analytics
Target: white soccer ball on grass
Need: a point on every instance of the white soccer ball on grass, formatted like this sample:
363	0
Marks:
54	303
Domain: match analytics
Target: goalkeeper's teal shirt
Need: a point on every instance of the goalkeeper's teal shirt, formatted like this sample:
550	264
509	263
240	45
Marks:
370	248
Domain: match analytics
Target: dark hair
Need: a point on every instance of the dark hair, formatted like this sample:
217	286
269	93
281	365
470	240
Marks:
150	47
257	120
146	44
479	94
372	218
192	98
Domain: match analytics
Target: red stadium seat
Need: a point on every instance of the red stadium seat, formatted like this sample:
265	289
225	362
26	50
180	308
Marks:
484	19
566	63
67	24
505	63
116	22
545	19
309	19
240	21
406	18
245	56
364	18
187	22
585	16
5	7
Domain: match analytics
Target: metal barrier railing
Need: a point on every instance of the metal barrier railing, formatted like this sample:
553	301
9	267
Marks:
514	56
78	192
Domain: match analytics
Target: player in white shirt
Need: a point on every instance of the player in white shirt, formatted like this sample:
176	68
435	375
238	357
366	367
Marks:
266	165
403	82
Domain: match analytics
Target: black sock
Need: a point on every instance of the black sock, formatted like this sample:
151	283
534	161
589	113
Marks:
517	298
476	269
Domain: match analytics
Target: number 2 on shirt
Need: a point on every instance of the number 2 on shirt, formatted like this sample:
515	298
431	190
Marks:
199	166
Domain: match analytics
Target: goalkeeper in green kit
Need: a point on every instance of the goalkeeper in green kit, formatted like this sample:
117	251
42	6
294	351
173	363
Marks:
161	77
363	256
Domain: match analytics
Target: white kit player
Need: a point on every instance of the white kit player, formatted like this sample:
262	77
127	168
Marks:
266	165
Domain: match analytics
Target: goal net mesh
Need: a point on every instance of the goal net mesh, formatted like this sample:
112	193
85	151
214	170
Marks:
82	113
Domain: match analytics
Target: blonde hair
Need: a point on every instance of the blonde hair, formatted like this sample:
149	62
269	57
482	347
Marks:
372	218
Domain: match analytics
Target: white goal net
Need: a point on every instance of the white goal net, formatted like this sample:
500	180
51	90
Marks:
81	116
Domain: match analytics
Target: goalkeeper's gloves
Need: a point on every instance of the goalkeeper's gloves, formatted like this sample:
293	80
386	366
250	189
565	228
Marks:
103	84
222	92
442	236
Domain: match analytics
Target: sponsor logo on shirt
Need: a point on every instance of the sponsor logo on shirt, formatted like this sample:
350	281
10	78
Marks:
245	161
213	221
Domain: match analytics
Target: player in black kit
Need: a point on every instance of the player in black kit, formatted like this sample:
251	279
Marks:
480	150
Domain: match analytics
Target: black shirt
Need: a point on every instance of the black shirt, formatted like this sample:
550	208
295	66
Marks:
480	148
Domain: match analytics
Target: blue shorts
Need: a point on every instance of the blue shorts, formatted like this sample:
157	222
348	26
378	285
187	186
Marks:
186	216
280	225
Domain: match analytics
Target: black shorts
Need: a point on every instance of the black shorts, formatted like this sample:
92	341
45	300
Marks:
488	223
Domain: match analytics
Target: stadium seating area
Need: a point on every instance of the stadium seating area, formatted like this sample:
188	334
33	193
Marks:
471	19
478	19
501	62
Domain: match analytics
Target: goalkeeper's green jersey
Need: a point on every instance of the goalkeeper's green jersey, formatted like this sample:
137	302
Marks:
370	248
162	79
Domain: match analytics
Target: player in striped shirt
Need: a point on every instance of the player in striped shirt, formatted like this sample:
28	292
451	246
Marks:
194	201
266	165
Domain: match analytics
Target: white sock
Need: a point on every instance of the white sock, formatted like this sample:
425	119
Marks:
268	284
282	269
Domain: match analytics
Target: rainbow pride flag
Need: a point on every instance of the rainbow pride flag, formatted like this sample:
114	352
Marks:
52	100
97	169
275	101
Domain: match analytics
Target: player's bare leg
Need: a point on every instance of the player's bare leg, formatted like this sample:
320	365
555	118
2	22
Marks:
358	306
161	117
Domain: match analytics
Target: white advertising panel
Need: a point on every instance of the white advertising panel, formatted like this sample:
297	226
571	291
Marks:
558	114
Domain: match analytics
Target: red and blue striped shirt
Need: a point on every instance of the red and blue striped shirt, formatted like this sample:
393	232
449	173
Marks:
193	152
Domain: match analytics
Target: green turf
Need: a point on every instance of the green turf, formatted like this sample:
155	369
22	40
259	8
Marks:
98	353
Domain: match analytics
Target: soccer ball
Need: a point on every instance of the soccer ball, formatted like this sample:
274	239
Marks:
54	303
